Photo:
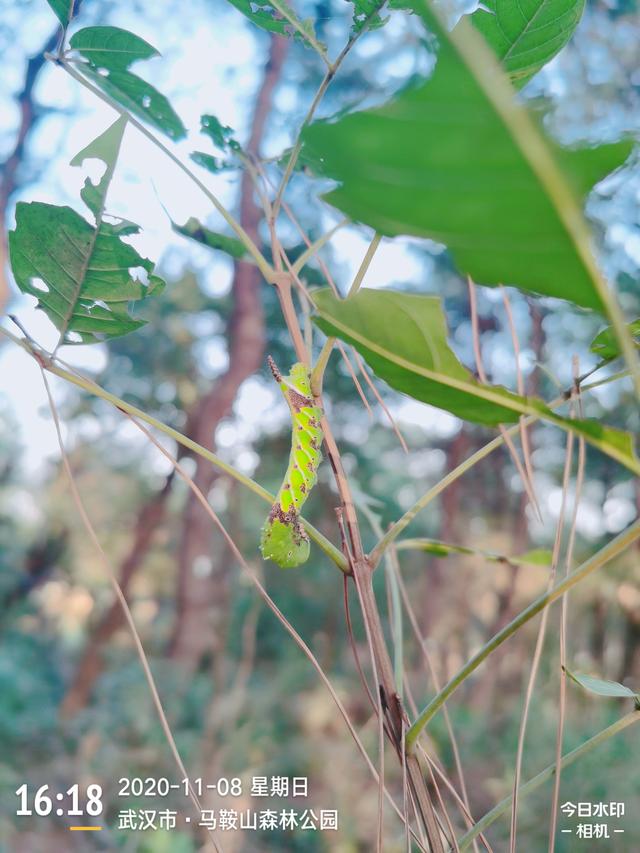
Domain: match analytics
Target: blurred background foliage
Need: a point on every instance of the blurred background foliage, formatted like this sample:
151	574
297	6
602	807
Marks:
242	699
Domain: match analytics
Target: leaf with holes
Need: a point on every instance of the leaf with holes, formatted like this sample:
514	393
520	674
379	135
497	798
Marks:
223	138
109	52
441	161
194	229
403	338
366	14
276	16
602	687
82	273
527	34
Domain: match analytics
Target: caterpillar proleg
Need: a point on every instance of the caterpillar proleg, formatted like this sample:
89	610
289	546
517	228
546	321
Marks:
284	539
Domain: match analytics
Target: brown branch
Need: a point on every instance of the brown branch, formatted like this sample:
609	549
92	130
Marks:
196	595
91	663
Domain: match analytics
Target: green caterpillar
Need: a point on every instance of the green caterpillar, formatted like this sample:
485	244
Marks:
284	539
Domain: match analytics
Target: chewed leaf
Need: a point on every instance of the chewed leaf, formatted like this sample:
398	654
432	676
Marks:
223	138
277	16
220	134
602	687
82	273
366	13
109	52
262	14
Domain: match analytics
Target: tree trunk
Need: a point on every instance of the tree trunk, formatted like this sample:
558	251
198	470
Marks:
91	663
202	591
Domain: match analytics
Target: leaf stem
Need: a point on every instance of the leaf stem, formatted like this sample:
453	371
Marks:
318	371
364	266
315	247
317	374
294	21
615	547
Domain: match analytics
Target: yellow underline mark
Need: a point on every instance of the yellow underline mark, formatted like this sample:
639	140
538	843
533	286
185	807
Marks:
85	828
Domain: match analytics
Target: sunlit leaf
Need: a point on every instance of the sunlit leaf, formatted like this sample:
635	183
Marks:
440	161
109	51
602	687
196	231
403	338
82	273
526	34
606	345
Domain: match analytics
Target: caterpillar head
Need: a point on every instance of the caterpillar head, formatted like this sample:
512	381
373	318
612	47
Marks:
284	539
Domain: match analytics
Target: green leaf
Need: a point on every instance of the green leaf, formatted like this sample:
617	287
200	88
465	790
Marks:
602	687
224	139
63	10
109	52
441	161
263	15
196	231
276	16
403	338
606	345
537	557
111	47
210	163
220	134
82	274
365	13
526	34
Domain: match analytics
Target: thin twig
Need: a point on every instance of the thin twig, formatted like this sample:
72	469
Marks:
612	549
268	601
524	434
394	426
542	631
123	603
397	528
436	684
475	331
563	628
546	774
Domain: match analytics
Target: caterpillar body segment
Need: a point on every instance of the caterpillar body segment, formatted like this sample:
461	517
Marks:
284	539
